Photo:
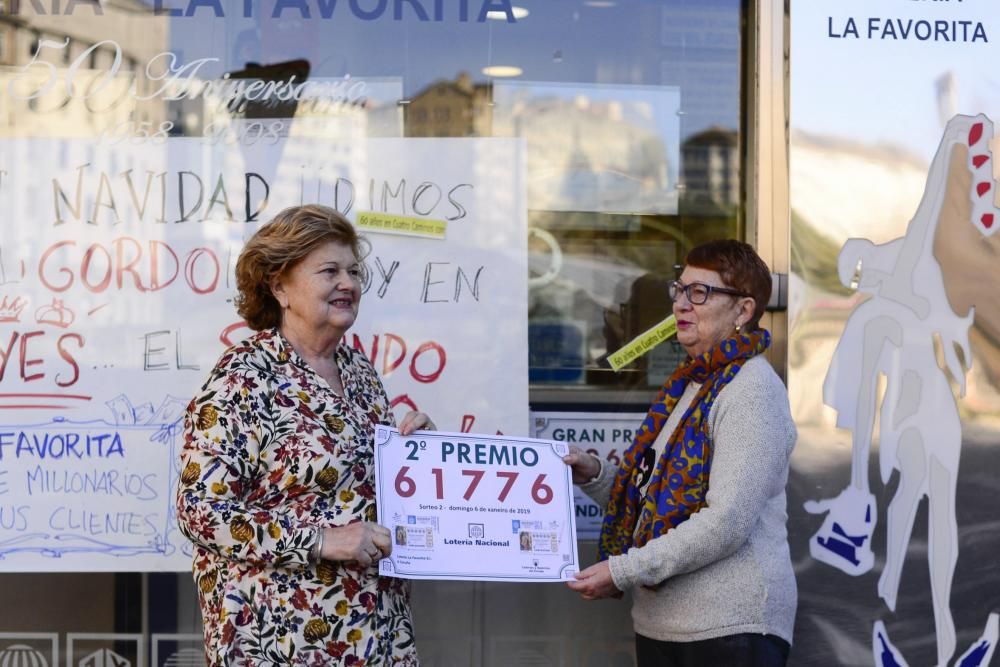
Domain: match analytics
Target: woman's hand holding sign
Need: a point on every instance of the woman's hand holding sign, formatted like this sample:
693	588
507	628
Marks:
595	583
415	421
362	543
585	466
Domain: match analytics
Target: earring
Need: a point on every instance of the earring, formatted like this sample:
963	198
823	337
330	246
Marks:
738	325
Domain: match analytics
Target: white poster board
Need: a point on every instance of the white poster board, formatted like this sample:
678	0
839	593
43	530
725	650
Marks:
475	507
116	288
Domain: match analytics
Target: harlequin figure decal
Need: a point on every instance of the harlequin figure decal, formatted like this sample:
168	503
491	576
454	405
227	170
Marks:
892	334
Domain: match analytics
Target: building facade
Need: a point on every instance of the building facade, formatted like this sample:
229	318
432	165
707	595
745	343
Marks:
636	142
574	150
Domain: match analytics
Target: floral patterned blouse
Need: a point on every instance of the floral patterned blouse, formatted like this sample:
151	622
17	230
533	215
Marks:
270	454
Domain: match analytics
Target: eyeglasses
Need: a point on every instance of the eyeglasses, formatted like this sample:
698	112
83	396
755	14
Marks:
698	293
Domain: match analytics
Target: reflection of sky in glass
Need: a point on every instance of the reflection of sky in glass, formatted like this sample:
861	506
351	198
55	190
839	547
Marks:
639	42
895	81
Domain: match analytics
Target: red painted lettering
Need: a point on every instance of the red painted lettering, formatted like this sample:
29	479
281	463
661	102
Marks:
42	263
25	361
403	399
191	270
131	265
85	269
387	366
226	337
6	353
467	423
123	268
154	265
357	345
65	354
433	375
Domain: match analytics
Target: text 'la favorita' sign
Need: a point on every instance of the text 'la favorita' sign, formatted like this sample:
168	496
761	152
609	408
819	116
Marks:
416	10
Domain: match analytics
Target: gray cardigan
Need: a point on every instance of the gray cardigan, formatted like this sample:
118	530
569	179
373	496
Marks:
727	569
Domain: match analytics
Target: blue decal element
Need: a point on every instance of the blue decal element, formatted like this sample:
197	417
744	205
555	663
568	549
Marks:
975	658
886	659
846	550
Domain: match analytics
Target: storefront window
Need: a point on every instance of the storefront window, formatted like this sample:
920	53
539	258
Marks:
593	142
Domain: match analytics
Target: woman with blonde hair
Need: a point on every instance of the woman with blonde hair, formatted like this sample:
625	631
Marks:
277	485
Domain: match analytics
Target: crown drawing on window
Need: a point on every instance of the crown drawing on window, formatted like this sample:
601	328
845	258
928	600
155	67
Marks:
55	314
10	309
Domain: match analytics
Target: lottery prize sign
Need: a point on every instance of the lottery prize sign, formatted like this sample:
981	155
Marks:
474	507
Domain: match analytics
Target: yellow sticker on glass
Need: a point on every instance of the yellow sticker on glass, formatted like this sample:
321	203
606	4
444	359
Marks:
643	343
401	224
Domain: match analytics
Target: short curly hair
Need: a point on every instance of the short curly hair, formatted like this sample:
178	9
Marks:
740	268
278	246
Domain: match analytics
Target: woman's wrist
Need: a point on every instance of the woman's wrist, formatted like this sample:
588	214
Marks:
600	468
317	551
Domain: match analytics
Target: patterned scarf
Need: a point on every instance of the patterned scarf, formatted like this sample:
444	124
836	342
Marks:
680	479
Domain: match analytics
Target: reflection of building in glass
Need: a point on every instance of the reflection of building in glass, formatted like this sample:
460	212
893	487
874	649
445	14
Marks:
459	108
591	150
711	167
103	57
586	151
